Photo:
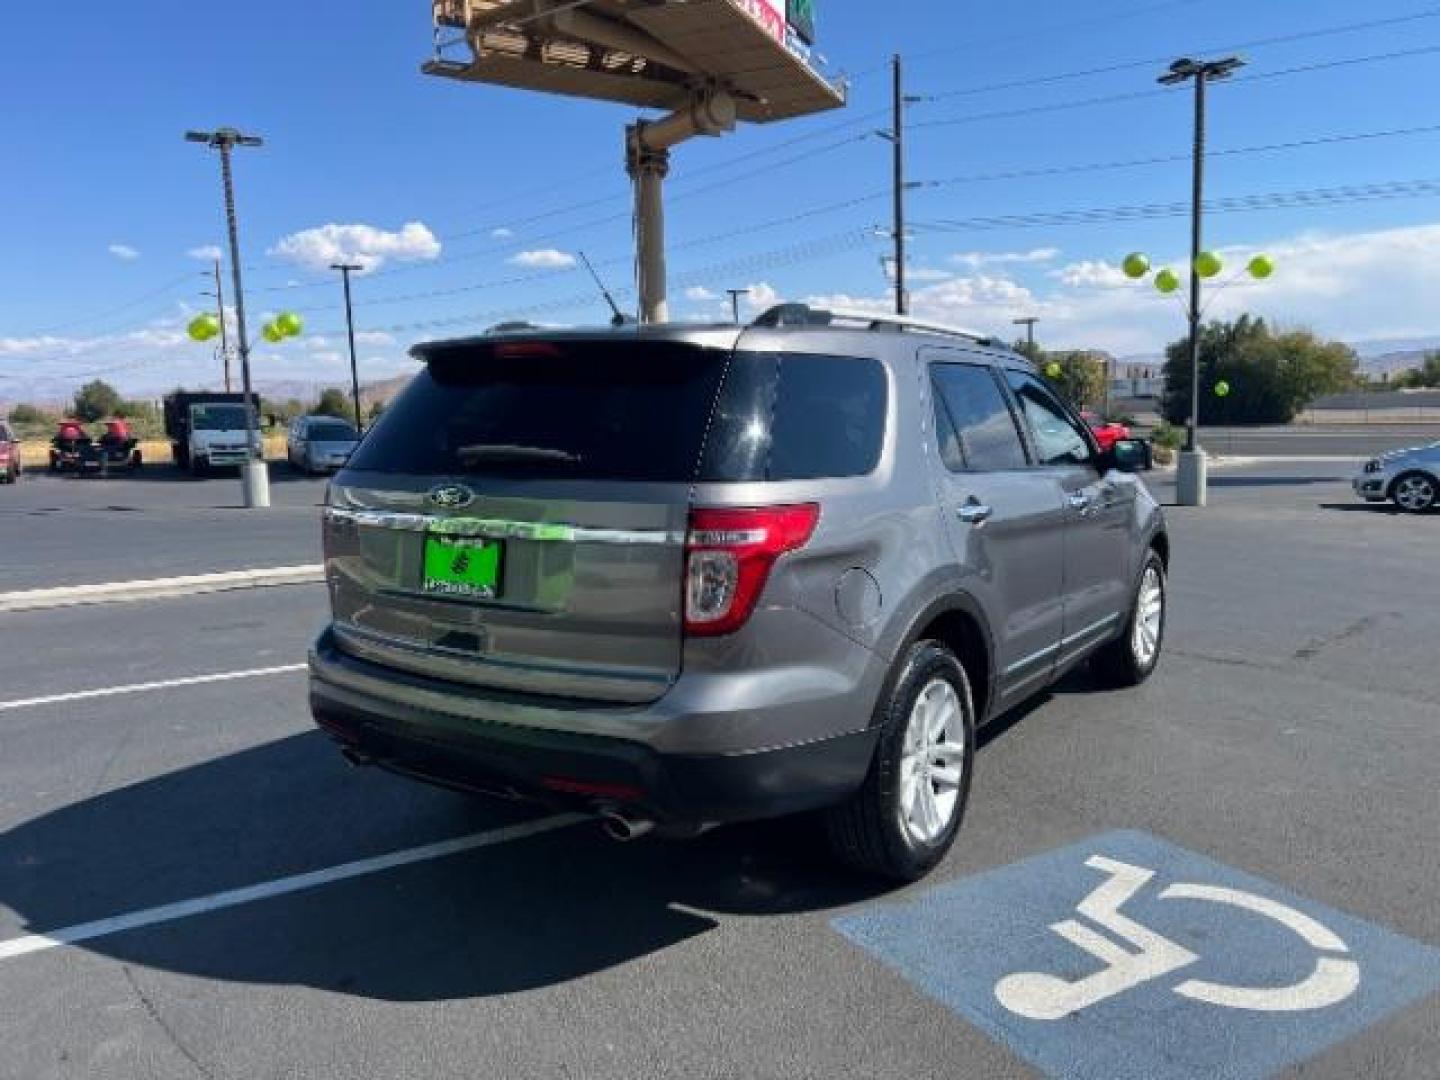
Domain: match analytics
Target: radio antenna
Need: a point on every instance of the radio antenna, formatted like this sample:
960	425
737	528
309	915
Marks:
617	317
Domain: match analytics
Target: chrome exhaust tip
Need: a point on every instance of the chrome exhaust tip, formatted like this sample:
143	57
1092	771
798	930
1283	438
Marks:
622	828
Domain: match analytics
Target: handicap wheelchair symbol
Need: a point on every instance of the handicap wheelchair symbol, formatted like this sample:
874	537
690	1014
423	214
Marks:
1040	996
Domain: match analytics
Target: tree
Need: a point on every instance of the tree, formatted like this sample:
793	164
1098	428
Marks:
1425	377
1271	376
333	402
376	408
97	400
25	413
1081	378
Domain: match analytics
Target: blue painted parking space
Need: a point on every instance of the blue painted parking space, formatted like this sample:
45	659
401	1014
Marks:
1125	957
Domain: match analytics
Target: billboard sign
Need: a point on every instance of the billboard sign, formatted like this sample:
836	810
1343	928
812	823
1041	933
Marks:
801	17
768	13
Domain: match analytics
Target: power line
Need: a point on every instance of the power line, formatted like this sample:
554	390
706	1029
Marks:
169	286
1169	159
1130	65
1137	95
1354	193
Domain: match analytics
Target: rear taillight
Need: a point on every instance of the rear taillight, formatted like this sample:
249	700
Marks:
728	556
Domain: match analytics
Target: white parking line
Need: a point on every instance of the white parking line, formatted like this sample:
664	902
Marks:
145	688
184	909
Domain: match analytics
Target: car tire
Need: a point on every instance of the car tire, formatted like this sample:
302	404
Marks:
1415	492
1133	656
905	817
198	468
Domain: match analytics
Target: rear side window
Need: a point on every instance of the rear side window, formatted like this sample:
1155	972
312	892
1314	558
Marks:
614	410
977	429
797	417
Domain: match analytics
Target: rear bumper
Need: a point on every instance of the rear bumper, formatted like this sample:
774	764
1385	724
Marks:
567	769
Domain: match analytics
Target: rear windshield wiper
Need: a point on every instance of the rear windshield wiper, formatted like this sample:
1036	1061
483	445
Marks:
490	453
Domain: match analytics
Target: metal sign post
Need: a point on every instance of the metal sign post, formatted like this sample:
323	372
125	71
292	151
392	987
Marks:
707	64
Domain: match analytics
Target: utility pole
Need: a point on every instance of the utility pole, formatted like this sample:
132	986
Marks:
1029	323
345	270
224	333
1191	471
897	143
255	477
735	295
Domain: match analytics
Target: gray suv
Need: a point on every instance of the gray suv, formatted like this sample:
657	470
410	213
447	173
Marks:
681	576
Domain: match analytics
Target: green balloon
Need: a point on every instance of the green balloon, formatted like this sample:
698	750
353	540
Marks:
289	323
203	327
1136	265
1208	264
1222	389
1261	267
273	333
1167	281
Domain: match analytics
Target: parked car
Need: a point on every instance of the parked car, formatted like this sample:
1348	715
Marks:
680	576
320	443
1107	432
10	467
1408	478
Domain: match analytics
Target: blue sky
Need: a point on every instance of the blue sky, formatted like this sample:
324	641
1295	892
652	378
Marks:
100	200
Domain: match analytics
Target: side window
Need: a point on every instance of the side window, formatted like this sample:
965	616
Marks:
979	419
797	417
1058	441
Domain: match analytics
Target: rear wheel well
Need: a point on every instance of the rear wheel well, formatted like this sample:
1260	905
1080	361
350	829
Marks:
963	635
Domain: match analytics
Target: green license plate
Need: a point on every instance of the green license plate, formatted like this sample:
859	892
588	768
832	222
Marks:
462	566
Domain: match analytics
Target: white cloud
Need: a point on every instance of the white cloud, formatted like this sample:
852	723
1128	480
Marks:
373	337
364	245
977	259
1351	287
543	259
761	296
206	253
927	273
1092	274
700	294
502	233
123	252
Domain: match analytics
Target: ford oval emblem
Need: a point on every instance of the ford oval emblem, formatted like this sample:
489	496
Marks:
452	496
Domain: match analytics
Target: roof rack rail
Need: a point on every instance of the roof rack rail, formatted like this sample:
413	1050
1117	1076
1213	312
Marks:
805	315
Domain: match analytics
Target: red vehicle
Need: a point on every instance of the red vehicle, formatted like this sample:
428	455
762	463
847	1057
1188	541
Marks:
9	455
1107	432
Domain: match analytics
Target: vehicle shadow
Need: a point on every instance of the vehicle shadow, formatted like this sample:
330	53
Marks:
1388	509
527	913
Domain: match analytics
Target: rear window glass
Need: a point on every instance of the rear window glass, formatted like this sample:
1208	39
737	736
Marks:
624	410
796	417
333	433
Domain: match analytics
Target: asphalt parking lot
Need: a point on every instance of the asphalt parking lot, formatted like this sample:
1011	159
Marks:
192	883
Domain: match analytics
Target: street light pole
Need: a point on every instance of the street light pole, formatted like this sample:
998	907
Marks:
345	271
1191	473
735	295
256	479
1029	323
902	300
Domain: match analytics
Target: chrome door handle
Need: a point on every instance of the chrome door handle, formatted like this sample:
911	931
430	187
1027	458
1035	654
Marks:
974	513
1079	501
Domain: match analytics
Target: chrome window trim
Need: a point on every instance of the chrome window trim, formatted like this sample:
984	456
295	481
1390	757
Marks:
500	528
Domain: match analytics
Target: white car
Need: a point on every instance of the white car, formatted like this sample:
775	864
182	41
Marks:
320	443
1409	478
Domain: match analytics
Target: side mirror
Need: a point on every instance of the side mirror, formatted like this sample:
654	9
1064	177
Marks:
1131	456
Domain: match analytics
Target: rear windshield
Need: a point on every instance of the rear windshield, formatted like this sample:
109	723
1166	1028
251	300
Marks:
632	410
333	433
643	411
